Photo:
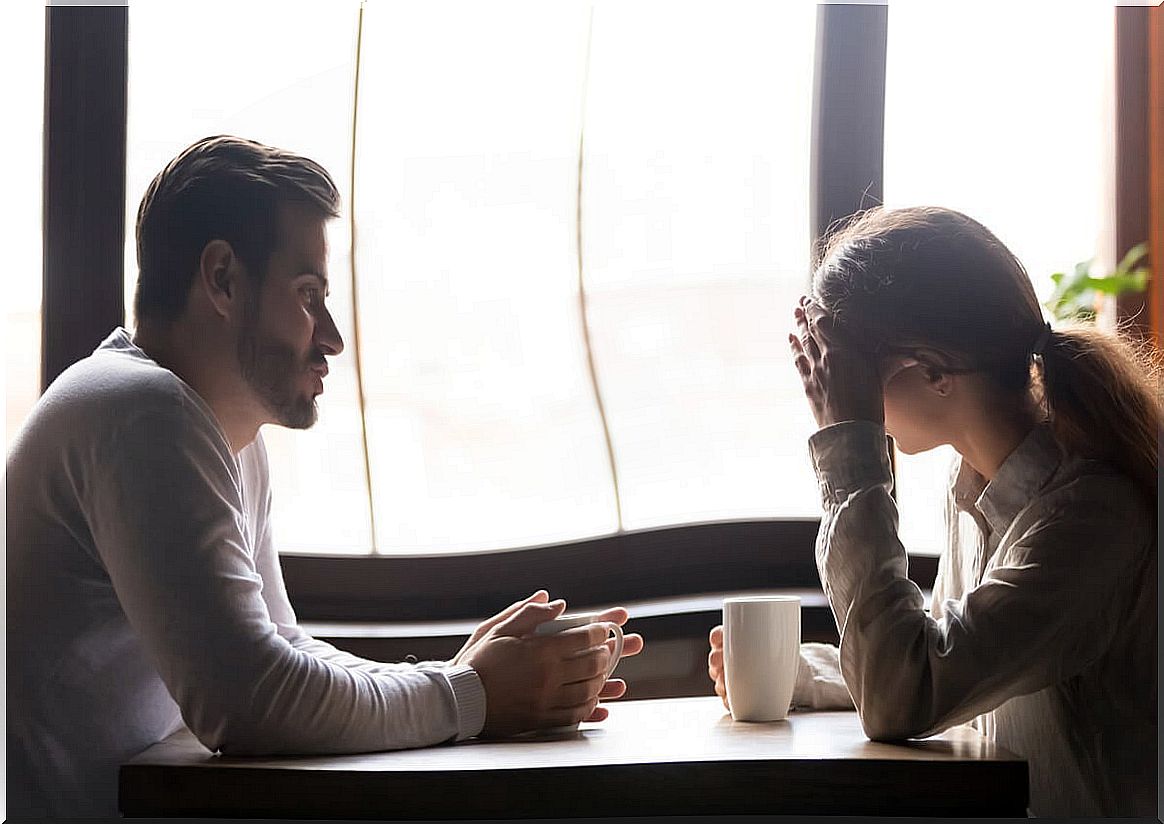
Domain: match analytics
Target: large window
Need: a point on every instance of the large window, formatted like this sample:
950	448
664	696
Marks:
573	231
574	256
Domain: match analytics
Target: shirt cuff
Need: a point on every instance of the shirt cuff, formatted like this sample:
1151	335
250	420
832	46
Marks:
848	456
469	698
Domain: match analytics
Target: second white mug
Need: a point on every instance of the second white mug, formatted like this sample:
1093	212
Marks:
761	654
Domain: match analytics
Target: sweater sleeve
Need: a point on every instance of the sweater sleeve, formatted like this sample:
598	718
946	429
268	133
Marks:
1032	621
166	512
819	684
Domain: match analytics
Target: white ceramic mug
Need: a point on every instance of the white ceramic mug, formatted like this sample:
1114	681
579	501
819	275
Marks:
581	619
761	654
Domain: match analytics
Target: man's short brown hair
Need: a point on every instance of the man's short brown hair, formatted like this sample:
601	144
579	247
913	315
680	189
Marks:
220	188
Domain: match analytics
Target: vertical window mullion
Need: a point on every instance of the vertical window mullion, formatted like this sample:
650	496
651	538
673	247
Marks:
848	119
86	51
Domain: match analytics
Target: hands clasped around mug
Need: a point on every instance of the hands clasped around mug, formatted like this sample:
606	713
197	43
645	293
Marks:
540	681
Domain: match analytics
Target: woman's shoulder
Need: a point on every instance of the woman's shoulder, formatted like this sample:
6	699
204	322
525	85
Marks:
1086	491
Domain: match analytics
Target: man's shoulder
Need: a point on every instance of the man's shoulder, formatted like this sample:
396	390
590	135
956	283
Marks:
113	382
115	391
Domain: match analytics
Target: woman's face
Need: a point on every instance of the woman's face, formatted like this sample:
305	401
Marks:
916	412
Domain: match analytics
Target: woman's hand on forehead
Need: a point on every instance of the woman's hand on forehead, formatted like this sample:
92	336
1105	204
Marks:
889	363
841	377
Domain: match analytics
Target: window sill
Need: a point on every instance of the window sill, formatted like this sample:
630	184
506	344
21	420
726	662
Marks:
710	602
673	663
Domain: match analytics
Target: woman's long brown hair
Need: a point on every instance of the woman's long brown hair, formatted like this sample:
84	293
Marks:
935	278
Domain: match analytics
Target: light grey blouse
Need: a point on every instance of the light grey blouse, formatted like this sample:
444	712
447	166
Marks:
1042	626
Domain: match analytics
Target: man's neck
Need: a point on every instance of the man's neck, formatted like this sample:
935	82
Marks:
209	367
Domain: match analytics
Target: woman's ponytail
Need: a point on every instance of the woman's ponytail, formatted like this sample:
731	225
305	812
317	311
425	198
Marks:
1102	398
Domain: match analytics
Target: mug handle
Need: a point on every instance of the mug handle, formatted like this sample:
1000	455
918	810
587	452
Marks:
617	630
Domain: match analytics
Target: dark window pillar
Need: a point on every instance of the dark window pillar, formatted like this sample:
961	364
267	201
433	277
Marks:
848	118
84	181
1131	150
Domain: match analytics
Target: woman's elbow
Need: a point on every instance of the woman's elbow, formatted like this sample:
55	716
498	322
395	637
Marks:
890	721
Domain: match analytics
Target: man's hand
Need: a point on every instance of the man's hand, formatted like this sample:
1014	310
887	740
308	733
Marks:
841	380
539	597
538	681
632	645
715	664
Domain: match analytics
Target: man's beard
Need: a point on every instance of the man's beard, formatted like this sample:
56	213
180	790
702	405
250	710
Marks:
272	369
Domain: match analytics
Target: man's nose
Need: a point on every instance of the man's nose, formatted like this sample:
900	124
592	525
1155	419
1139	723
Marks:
327	336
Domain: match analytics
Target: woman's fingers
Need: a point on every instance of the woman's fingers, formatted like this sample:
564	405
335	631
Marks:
715	661
807	341
716	636
799	359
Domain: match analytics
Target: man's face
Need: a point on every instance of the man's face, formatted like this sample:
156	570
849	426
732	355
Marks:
287	330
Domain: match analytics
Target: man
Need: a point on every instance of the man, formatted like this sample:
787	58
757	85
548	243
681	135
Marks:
144	589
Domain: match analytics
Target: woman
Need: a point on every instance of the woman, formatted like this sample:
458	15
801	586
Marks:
1042	626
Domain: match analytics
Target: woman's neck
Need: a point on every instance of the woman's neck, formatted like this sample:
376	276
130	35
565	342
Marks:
990	432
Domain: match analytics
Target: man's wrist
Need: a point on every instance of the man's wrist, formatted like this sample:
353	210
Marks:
469	699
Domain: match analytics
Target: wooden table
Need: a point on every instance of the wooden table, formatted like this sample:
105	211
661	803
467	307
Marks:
674	756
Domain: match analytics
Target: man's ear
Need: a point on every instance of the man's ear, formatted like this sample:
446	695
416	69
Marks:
220	277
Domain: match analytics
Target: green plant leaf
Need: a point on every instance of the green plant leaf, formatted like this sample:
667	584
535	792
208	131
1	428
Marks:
1134	256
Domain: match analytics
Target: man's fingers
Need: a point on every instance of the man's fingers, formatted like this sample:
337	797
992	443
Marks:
599	714
566	717
541	597
584	667
615	615
716	637
572	695
614	688
529	615
575	640
715	660
632	644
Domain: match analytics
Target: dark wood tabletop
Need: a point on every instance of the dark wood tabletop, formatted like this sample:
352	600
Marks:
675	756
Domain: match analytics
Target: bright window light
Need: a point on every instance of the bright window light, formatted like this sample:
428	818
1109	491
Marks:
485	429
280	73
23	46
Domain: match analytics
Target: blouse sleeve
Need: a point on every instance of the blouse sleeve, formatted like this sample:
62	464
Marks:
1033	621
